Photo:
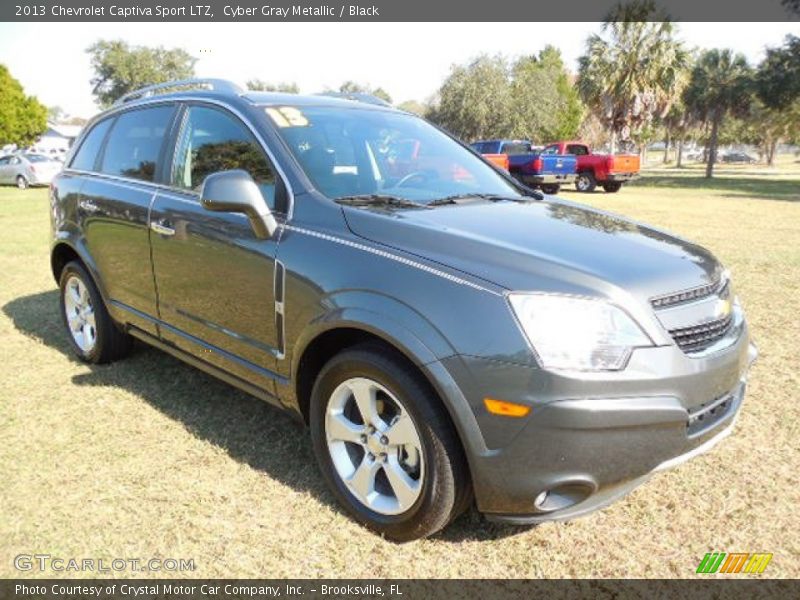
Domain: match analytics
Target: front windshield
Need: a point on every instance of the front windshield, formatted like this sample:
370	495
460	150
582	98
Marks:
358	151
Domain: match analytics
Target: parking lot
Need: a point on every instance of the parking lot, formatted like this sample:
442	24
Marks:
151	458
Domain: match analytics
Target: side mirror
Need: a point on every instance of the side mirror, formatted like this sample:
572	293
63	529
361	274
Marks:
235	191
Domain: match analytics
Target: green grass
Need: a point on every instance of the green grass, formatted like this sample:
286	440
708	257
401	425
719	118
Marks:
151	458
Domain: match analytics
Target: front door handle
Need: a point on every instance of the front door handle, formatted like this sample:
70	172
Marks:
161	228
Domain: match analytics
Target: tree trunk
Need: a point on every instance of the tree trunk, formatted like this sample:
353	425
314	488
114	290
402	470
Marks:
712	145
679	162
771	149
667	140
613	140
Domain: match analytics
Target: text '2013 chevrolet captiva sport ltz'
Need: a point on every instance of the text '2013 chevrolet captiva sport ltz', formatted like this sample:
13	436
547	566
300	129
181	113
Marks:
448	335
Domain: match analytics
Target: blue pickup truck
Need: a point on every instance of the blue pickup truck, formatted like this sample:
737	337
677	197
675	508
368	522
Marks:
527	163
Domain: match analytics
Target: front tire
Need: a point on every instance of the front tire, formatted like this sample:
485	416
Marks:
585	182
551	188
22	183
385	444
612	187
93	335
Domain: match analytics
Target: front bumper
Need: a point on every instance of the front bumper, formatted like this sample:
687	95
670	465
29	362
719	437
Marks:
592	438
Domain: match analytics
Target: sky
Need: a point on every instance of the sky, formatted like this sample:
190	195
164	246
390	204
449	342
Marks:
409	60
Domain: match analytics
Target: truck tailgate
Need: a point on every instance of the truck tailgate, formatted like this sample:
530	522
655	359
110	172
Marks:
560	164
501	160
550	164
624	163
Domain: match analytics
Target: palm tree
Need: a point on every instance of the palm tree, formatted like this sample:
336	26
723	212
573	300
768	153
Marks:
721	84
631	72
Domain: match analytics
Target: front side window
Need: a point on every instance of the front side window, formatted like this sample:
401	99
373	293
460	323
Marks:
212	140
135	141
356	151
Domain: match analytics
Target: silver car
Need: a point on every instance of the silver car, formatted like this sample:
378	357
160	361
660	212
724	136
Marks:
28	169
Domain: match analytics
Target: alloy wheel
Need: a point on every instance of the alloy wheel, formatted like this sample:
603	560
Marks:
374	446
80	314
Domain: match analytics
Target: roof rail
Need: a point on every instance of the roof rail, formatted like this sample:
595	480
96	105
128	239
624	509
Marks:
214	84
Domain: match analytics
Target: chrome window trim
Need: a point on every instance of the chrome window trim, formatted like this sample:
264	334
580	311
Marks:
176	100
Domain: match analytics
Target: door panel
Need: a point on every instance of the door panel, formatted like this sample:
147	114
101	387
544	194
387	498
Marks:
215	278
114	217
215	286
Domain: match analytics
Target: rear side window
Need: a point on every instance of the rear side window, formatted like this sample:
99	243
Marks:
212	140
135	142
87	154
577	150
514	148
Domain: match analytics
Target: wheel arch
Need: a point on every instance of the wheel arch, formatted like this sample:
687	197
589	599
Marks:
64	251
330	336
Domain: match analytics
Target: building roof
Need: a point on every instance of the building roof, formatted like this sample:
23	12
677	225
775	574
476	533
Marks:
66	131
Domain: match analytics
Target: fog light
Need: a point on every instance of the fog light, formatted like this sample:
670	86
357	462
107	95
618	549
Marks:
563	496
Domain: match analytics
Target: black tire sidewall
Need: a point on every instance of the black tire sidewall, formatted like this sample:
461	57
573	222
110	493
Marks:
437	497
24	186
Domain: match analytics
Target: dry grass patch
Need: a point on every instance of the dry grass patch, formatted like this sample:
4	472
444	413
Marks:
151	458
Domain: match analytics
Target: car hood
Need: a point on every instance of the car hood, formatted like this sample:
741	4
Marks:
548	245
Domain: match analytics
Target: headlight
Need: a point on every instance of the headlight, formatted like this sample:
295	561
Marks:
574	333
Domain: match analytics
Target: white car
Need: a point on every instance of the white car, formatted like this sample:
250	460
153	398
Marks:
24	170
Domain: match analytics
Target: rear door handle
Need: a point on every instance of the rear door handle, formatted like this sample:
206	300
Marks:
161	228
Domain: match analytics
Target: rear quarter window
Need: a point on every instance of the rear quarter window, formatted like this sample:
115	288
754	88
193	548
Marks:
135	142
87	153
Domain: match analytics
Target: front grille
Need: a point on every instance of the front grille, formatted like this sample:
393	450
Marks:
699	337
709	414
692	294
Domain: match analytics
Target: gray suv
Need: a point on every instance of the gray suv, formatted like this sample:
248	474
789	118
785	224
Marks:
448	335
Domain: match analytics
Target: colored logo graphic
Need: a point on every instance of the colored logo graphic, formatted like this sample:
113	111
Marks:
742	562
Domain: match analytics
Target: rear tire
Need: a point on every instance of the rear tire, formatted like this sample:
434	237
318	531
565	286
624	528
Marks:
93	335
551	188
585	182
22	183
612	187
433	485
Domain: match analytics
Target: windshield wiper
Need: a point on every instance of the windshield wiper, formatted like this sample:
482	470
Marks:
378	200
466	198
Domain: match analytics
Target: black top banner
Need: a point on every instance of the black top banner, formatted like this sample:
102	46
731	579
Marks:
385	10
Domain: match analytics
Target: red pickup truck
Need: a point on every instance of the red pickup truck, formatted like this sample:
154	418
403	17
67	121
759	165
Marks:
608	170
